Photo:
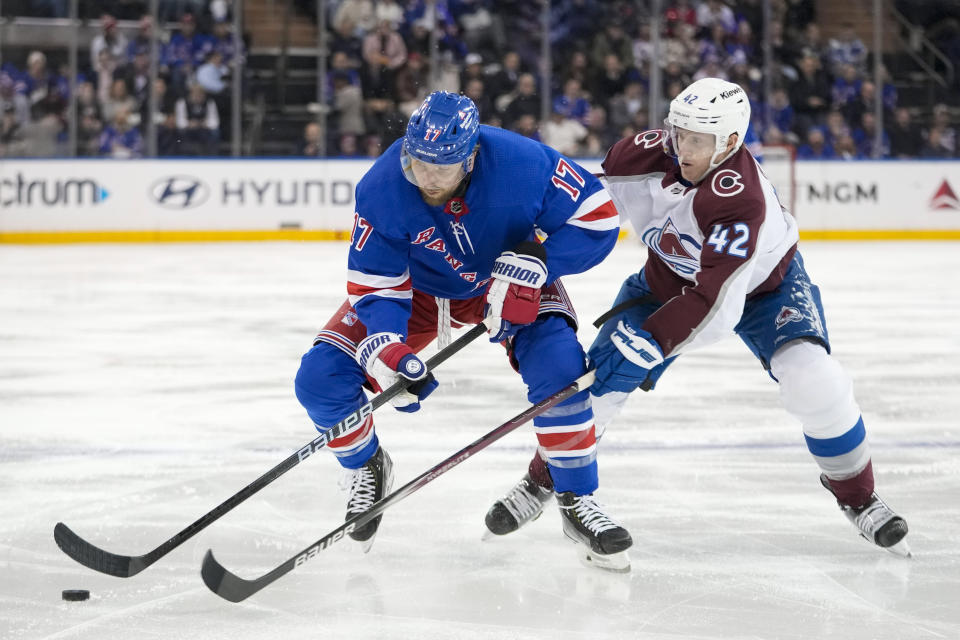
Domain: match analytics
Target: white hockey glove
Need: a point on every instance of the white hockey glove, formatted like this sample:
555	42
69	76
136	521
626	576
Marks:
513	297
387	359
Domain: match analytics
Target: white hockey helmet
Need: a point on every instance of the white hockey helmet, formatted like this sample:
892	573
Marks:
711	105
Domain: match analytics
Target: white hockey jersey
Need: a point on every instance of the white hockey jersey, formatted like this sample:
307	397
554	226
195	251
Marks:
711	246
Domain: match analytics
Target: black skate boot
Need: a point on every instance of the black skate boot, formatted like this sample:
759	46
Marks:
876	522
367	485
602	542
524	503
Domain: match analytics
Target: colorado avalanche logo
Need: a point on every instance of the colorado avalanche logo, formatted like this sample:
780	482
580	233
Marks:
676	249
727	183
788	314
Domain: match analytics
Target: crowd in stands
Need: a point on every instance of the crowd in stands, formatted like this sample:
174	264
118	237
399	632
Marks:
191	94
823	102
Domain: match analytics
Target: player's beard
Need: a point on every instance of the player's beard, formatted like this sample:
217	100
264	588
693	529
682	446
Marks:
438	198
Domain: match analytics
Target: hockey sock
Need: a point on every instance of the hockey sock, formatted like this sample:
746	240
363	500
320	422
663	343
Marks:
856	491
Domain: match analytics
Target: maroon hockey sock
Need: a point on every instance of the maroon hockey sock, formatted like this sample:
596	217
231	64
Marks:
855	491
539	472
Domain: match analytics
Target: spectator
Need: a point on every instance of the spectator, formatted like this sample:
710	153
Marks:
136	75
610	81
571	103
714	12
117	101
835	126
600	135
846	48
679	49
934	145
142	41
35	82
846	149
384	52
905	136
711	69
815	147
310	144
716	45
781	112
184	52
11	133
613	39
864	136
563	133
358	14
198	122
10	99
348	117
224	43
345	40
210	74
472	69
89	120
643	47
846	87
624	106
413	83
679	13
527	125
947	133
810	93
526	101
106	66
168	139
504	80
110	39
119	139
476	91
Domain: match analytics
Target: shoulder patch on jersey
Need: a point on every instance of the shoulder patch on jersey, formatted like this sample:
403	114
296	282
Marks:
638	155
726	183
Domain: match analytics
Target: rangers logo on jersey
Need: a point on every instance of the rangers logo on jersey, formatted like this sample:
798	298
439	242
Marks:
788	314
678	250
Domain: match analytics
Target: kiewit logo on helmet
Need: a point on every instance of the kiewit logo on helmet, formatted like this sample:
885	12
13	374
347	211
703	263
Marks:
731	92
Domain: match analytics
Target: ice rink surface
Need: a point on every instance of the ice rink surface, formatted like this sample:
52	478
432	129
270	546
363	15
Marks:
140	386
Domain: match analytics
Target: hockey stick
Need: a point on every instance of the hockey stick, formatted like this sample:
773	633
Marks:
235	589
113	564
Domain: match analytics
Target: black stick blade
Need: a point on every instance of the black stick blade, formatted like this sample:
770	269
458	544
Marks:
94	557
225	584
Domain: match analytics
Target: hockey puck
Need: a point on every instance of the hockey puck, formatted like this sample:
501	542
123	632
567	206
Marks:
76	595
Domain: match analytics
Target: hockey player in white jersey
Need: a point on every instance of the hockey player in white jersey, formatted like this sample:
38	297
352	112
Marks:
722	257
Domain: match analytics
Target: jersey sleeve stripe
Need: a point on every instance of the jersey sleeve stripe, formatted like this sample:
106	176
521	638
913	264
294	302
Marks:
603	217
374	281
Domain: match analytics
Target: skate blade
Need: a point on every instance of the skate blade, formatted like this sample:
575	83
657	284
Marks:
901	549
488	535
614	562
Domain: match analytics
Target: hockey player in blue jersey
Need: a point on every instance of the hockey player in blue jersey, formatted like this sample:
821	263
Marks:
445	234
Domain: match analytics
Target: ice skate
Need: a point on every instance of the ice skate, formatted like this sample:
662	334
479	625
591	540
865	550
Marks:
524	503
876	522
367	485
601	541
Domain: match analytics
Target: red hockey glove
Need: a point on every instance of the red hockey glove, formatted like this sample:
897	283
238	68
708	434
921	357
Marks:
513	296
387	359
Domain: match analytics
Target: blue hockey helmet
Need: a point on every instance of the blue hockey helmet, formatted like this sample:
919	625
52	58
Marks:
443	131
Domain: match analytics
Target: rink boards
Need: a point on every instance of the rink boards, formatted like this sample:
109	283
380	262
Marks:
97	200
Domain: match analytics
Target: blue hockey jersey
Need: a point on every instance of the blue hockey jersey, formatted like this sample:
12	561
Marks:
518	186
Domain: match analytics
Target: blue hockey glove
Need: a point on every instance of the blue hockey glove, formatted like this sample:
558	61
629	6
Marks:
624	361
387	359
513	297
